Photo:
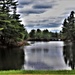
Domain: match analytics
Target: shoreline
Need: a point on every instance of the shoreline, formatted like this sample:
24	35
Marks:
44	40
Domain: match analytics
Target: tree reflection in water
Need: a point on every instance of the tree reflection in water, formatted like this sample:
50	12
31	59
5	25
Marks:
45	50
69	55
11	58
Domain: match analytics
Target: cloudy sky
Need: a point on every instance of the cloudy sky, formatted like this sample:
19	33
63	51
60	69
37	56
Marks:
44	14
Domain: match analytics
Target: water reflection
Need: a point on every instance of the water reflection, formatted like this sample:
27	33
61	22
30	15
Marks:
39	50
45	56
33	50
46	50
11	58
69	55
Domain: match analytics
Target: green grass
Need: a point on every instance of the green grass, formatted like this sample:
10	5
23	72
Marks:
63	72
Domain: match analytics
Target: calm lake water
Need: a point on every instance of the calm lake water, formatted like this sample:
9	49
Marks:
53	55
45	56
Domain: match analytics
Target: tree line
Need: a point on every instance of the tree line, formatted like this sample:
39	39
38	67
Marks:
44	35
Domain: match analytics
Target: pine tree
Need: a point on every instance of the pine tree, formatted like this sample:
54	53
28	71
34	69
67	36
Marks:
11	28
69	27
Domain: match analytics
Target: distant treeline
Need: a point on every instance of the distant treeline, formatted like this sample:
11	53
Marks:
44	35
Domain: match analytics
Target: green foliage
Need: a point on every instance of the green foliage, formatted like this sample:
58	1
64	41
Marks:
68	31
1	29
32	34
11	30
46	34
38	34
42	35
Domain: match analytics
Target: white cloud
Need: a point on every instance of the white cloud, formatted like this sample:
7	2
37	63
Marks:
42	13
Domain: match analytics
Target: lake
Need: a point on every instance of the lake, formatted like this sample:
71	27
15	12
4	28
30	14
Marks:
45	56
53	55
11	58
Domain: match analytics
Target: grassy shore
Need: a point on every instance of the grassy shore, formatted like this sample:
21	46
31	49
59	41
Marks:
40	72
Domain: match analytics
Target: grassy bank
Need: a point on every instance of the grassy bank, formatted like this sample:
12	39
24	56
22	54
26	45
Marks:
20	72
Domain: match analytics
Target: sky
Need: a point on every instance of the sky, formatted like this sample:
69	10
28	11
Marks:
44	14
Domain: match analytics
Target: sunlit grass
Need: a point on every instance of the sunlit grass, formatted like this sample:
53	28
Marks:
38	72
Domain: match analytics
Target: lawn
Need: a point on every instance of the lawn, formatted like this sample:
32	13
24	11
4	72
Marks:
37	72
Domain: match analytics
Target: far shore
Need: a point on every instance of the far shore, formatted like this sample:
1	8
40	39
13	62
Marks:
44	39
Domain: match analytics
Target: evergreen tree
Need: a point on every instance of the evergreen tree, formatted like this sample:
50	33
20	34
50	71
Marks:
38	34
32	34
11	29
69	27
46	34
